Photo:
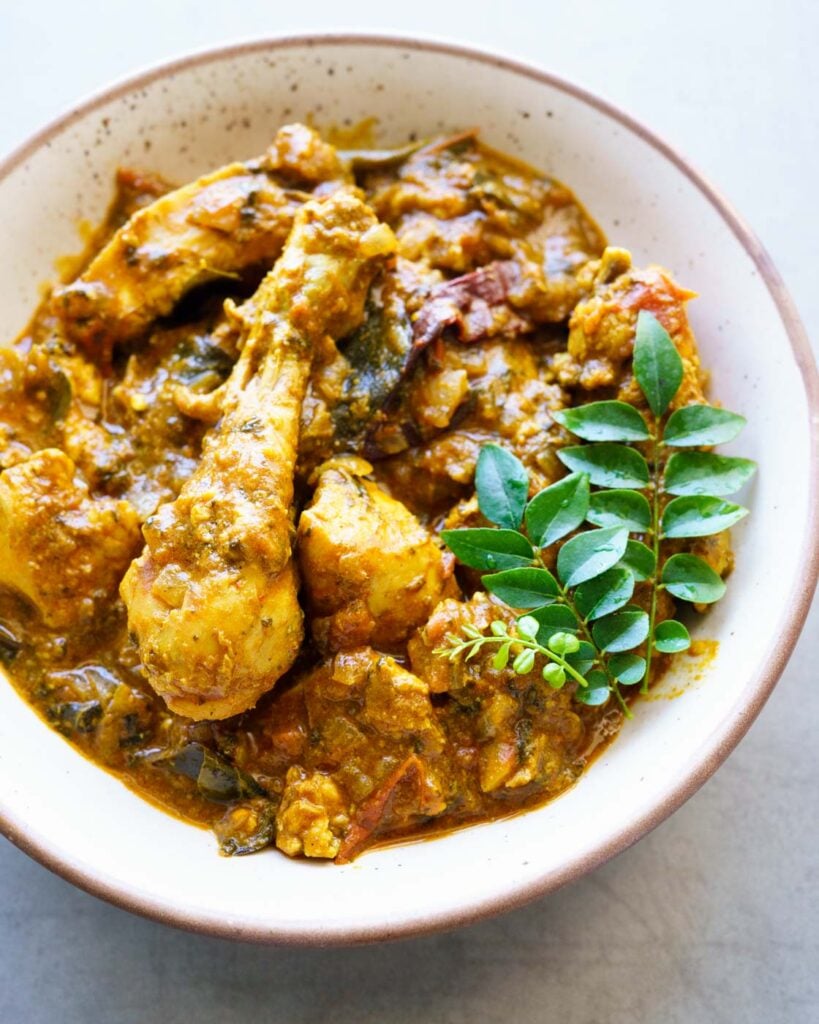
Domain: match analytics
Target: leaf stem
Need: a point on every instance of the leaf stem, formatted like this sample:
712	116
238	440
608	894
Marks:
598	659
655	547
615	689
533	645
477	642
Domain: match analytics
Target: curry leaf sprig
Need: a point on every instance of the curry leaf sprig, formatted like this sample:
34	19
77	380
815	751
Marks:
581	620
565	655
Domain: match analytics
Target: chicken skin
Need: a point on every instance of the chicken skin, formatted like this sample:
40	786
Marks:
212	601
213	227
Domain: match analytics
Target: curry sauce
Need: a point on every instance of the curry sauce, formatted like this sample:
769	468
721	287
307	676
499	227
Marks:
228	446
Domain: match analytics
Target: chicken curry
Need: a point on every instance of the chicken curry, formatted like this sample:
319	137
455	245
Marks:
228	448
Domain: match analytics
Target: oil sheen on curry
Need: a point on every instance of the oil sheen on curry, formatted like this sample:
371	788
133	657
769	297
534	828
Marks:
229	446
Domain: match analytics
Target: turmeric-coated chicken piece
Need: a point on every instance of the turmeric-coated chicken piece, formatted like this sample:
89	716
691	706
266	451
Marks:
213	227
375	735
383	703
61	549
602	328
212	600
372	572
312	815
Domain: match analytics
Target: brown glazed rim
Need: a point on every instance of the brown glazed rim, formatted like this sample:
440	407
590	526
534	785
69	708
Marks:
722	741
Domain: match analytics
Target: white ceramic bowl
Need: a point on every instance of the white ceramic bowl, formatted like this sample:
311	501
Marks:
197	113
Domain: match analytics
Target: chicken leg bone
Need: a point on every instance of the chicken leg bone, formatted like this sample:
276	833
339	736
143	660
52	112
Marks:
212	600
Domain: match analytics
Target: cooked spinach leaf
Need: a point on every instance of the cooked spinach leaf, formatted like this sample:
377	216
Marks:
76	715
246	828
216	778
378	353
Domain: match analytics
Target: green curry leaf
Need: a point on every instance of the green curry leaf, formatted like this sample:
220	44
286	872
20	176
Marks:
658	367
502	486
696	425
691	579
621	631
523	588
484	548
558	509
604	594
639	560
627	669
699	516
605	421
597	691
589	554
607	464
620	508
555	618
706	473
671	637
583	658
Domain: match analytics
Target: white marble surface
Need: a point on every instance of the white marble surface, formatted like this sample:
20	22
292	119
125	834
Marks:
714	916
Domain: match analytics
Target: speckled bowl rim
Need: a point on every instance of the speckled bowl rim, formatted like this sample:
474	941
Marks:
759	688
